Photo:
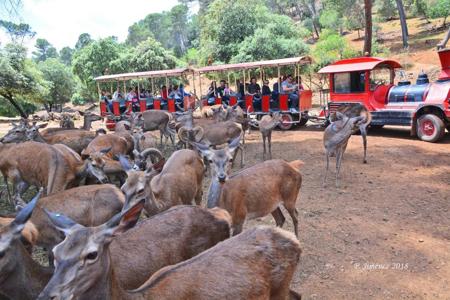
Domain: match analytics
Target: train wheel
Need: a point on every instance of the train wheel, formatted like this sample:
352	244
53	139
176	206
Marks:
286	122
430	128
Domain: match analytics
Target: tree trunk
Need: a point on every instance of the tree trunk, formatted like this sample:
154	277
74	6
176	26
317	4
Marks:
444	41
368	28
401	13
16	105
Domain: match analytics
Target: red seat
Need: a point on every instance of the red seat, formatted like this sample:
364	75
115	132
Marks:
116	108
233	100
305	100
249	103
143	105
103	109
284	102
110	124
218	101
157	104
265	103
171	105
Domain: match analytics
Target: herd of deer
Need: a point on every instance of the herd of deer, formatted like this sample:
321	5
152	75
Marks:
98	245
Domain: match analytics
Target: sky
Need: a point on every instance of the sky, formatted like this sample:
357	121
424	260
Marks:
62	21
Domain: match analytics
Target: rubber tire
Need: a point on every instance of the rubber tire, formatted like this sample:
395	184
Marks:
287	117
438	125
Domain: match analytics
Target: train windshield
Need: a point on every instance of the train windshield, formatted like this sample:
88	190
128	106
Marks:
380	76
352	82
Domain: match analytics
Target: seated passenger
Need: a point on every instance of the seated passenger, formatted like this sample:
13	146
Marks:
108	103
164	92
175	94
117	95
288	87
255	90
240	89
133	99
221	92
266	88
212	93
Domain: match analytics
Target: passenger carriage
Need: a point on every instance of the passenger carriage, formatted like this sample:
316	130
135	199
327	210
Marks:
159	100
290	115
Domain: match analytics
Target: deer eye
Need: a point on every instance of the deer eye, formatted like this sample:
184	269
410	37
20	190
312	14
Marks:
92	255
140	191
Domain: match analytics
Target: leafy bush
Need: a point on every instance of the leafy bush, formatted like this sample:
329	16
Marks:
77	99
331	47
439	9
330	19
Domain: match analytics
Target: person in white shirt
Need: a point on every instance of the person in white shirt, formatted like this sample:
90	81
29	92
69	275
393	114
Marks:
117	95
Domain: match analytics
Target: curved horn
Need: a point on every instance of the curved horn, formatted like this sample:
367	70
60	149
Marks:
183	134
152	152
198	133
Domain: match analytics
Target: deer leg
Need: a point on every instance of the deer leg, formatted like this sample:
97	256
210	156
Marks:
269	140
264	145
363	130
338	165
237	228
20	187
293	212
161	137
198	197
279	217
241	148
5	179
326	169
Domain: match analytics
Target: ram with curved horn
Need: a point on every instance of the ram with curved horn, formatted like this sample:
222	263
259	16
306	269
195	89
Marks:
145	159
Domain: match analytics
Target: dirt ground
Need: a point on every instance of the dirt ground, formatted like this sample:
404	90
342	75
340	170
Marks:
385	232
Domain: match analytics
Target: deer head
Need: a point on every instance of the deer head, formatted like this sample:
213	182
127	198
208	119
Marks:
219	159
82	259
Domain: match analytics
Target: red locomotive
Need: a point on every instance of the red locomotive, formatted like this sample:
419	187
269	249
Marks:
369	81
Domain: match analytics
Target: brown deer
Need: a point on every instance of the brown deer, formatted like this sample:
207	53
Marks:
20	276
166	184
38	164
266	125
257	264
255	191
88	119
89	205
154	120
335	140
75	139
352	111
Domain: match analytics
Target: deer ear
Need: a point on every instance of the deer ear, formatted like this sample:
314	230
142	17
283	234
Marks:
105	150
25	213
124	220
124	163
43	125
234	143
61	222
203	149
